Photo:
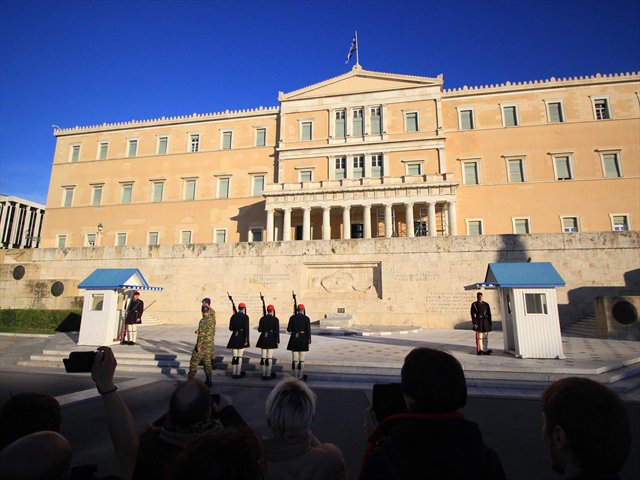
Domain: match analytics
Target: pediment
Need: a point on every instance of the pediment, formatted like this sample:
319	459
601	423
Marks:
360	81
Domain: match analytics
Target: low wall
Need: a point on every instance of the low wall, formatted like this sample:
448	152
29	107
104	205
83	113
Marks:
400	281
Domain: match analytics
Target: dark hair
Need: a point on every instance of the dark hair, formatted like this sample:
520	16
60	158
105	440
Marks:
434	380
27	413
190	403
594	420
230	454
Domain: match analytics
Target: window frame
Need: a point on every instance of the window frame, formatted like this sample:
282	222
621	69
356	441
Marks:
472	118
94	190
257	136
219	180
74	153
193	145
223	134
182	234
253	229
406	121
123	186
65	194
503	107
157	233
132	141
118	236
215	235
343	162
159	139
470	161
516	158
542	303
302	130
514	221
105	144
254	177
185	188
559	102
618	162
153	190
336	113
413	163
554	159
595	99
627	219
304	171
63	237
358	159
469	221
372	109
354	111
380	157
577	223
87	242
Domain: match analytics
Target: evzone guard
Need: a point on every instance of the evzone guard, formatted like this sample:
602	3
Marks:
239	340
269	328
300	329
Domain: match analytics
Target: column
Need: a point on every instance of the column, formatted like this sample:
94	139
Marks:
432	219
269	224
453	230
388	220
346	222
409	219
326	223
306	223
14	224
39	230
286	224
4	219
366	217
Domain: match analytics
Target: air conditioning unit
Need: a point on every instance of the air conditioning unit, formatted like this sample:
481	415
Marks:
618	317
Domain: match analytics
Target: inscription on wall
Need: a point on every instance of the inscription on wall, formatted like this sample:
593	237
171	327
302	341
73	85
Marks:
267	278
446	302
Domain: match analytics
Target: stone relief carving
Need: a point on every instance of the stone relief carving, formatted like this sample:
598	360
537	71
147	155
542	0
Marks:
347	278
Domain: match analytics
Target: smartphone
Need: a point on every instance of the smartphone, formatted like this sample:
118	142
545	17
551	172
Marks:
79	362
387	400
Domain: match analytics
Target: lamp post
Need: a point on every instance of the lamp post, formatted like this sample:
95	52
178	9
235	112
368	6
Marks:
100	227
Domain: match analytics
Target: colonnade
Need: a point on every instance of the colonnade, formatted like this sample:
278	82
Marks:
20	223
389	209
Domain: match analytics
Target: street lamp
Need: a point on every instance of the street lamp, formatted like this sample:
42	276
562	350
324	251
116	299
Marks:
100	227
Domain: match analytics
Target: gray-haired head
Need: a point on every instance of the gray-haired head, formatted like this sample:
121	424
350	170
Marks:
290	408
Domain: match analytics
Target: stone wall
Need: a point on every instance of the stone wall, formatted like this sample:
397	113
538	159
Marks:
401	281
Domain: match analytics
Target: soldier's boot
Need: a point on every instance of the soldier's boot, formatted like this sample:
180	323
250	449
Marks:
241	372
265	367
207	380
262	361
270	375
301	375
234	367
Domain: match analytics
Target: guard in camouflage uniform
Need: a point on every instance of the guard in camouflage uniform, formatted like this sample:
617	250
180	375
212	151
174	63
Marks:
206	302
204	345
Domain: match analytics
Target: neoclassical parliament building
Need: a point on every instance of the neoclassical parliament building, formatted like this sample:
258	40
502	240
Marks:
361	155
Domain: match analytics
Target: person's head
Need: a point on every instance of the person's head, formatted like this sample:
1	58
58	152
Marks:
206	301
585	425
301	308
232	454
479	296
433	382
290	408
205	310
36	456
242	307
190	403
136	295
27	413
270	309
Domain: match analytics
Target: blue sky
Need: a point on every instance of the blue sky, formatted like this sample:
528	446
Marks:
87	62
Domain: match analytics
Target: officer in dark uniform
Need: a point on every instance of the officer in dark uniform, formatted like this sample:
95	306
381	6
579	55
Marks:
133	318
239	340
269	328
300	329
481	319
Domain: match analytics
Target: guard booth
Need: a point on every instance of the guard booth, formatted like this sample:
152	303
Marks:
107	296
531	323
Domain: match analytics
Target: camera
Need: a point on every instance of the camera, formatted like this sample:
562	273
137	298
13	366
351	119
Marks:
387	400
79	362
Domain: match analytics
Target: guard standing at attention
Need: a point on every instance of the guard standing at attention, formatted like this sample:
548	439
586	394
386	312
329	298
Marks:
204	345
269	328
239	340
206	302
300	329
481	319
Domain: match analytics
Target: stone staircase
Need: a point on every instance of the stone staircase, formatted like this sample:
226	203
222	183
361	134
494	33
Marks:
583	328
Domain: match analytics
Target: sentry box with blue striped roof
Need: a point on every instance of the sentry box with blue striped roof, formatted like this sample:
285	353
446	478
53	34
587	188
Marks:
107	296
531	323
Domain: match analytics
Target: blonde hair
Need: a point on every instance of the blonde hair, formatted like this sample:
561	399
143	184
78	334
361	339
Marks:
290	408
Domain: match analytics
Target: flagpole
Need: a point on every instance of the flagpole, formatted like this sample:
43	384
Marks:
357	48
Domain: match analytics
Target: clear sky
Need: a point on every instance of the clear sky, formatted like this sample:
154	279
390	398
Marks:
83	63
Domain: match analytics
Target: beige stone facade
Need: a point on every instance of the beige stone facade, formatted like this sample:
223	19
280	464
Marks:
362	155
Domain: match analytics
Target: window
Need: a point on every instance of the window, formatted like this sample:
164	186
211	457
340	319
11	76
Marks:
75	153
562	167
97	301
510	115
306	130
358	166
61	241
255	234
227	137
194	142
411	122
470	174
223	187
90	240
96	195
126	191
163	143
158	190
103	148
516	170
358	129
261	137
376	121
67	196
466	119
570	224
190	189
555	112
474	227
611	165
535	303
306	175
620	223
521	226
132	149
341	168
258	186
376	166
220	235
121	239
185	237
340	126
414	169
601	108
153	238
